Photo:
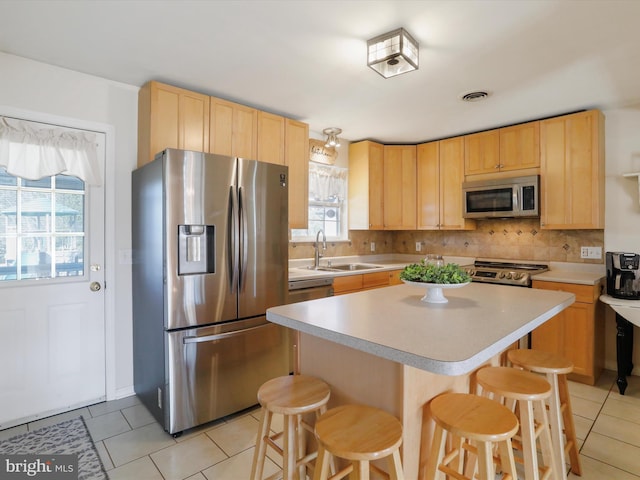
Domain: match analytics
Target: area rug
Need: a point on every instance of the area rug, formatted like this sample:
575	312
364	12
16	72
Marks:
68	437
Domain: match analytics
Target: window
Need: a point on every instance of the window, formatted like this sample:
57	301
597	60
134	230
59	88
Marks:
42	227
327	203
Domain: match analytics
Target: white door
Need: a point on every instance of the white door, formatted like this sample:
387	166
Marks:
52	324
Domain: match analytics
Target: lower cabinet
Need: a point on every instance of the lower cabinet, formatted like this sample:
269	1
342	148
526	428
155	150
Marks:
577	332
365	281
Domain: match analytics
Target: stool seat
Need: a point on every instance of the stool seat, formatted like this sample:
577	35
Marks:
540	362
361	434
470	418
514	383
291	396
563	431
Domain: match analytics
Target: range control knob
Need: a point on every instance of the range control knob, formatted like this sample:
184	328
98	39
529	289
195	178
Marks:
518	275
501	274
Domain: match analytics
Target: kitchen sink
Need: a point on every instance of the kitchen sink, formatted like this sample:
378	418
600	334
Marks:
342	268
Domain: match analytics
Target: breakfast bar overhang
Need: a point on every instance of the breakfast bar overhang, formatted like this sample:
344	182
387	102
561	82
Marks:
387	348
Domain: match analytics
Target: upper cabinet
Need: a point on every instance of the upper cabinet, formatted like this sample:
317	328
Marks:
271	138
171	117
366	170
440	173
399	187
520	147
296	157
572	171
482	152
233	129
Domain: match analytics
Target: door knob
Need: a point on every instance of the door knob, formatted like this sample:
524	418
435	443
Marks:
95	286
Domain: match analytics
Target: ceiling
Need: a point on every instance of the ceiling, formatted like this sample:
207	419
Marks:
306	59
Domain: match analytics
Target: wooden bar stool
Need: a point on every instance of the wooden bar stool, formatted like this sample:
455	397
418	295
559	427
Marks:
563	431
291	396
528	392
360	434
469	418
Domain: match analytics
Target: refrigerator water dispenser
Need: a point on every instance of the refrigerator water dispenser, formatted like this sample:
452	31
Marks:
196	249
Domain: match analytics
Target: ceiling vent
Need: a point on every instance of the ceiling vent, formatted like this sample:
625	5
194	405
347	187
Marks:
474	96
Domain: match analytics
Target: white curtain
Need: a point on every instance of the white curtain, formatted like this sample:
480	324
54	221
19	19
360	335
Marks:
35	150
327	183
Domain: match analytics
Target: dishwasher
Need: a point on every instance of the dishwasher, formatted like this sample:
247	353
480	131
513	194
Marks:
301	291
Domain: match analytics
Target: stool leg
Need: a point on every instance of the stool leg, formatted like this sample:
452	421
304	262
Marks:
261	445
395	466
321	470
361	470
507	462
289	471
555	418
301	448
569	427
486	469
528	441
437	452
546	445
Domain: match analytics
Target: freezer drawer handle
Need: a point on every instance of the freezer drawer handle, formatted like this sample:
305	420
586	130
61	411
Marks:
220	336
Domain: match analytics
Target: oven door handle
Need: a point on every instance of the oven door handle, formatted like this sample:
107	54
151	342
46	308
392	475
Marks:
222	336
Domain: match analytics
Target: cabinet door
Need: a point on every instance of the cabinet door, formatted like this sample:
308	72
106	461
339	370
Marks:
549	337
366	184
399	187
347	284
233	129
578	344
520	147
171	117
572	171
451	178
428	195
271	138
394	277
482	152
297	159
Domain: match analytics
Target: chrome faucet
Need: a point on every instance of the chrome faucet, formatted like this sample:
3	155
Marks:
318	255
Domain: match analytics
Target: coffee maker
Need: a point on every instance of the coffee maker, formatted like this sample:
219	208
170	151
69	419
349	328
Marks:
622	271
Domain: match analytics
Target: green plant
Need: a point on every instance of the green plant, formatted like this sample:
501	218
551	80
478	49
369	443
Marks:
427	273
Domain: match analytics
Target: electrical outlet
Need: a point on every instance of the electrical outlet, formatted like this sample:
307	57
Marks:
591	252
373	246
418	246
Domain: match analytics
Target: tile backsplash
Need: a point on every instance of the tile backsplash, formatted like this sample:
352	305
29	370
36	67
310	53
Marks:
505	239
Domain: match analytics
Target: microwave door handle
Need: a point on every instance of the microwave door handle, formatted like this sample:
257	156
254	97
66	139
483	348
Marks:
516	199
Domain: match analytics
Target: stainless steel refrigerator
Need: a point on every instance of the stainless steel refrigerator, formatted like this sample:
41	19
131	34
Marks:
209	237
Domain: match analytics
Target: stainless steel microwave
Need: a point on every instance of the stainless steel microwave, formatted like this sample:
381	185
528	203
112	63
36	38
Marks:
504	198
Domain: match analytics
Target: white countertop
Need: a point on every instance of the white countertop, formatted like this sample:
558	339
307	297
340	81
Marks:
478	322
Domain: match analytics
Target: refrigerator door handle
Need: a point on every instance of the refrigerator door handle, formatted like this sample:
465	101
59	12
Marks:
243	240
221	336
232	258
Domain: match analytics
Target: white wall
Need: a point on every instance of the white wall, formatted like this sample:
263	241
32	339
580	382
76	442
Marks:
45	89
622	214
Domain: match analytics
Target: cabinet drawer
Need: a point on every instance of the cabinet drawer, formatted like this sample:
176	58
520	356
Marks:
376	279
583	293
346	284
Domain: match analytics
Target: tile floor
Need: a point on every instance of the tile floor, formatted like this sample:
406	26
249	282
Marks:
133	446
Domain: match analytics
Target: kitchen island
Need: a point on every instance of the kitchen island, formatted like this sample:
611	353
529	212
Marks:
387	348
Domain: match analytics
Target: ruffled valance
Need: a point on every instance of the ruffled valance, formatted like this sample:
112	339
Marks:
327	183
35	150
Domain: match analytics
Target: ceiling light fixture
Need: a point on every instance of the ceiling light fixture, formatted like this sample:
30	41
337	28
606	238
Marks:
332	137
393	53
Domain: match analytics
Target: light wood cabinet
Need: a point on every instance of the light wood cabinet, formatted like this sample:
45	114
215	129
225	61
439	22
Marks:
171	117
482	152
520	147
296	157
577	332
233	129
572	171
399	187
365	281
271	137
366	184
440	173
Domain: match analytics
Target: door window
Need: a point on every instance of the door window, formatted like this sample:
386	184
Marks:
42	227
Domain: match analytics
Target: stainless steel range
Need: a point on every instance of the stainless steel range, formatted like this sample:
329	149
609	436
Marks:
504	273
